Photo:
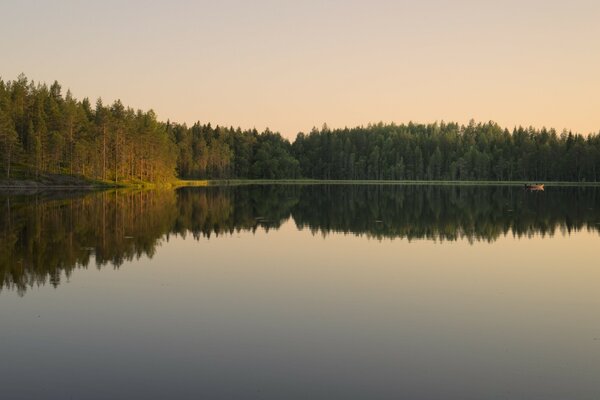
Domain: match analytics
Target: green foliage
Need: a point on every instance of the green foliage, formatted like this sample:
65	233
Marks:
9	143
443	151
227	153
51	134
48	133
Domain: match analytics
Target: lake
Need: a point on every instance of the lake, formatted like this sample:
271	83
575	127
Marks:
301	292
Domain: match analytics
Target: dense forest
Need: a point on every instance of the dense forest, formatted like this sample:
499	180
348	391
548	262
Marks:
448	151
43	131
45	237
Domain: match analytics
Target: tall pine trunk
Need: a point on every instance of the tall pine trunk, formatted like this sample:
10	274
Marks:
8	162
104	152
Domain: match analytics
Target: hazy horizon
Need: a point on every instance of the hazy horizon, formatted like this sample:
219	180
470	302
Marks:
291	66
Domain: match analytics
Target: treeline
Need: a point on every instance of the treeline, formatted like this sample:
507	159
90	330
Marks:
444	151
42	131
223	153
448	151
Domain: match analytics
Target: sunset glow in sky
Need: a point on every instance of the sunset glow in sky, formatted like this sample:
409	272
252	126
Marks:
294	65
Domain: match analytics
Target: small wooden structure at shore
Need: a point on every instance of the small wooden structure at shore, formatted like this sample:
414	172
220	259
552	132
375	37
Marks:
535	187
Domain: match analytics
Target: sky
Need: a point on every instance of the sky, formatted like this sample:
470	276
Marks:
292	65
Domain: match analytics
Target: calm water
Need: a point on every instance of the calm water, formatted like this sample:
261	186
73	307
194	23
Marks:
301	292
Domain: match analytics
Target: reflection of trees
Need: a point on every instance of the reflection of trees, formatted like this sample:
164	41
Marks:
41	237
219	210
445	212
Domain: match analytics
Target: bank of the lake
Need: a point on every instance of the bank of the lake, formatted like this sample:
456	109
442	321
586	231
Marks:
67	182
239	182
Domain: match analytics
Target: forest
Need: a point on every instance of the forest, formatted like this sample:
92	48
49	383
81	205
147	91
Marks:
43	131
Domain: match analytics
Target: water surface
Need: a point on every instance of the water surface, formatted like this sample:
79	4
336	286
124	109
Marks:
274	291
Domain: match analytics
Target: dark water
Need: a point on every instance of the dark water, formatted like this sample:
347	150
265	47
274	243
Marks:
301	292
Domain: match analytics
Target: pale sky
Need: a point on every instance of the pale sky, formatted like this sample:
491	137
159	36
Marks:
294	65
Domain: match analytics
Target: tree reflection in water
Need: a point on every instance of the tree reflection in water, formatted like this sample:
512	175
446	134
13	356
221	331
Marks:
45	236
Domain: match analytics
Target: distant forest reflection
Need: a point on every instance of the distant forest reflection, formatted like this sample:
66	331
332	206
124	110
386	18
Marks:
45	235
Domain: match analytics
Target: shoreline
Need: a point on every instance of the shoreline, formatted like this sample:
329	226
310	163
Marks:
239	182
19	185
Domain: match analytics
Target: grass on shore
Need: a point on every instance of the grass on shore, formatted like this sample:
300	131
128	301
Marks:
239	182
22	179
